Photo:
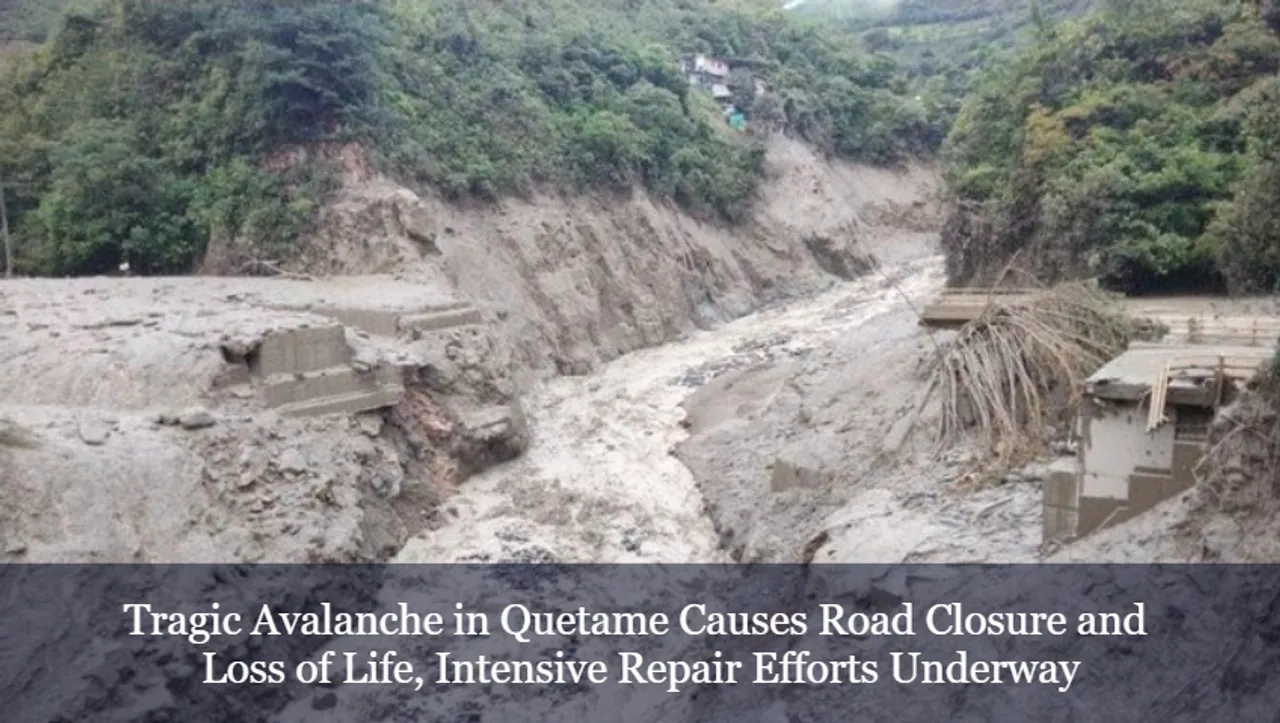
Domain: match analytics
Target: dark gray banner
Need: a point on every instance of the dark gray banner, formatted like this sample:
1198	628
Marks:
639	644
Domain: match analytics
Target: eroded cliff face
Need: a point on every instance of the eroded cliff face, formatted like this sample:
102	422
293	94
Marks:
578	281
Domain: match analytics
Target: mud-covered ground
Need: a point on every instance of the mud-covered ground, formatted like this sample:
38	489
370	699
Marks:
800	433
668	454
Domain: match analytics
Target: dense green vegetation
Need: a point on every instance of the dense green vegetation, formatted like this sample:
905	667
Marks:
940	44
1138	143
144	128
139	129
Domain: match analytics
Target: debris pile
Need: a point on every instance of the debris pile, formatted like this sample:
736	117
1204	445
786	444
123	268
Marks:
1021	366
1241	470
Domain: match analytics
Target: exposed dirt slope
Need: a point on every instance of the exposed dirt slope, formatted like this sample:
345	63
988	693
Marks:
581	280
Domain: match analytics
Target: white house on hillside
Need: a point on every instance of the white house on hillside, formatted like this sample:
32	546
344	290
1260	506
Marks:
705	71
713	75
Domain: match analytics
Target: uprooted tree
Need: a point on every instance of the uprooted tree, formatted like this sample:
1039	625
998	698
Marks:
1021	367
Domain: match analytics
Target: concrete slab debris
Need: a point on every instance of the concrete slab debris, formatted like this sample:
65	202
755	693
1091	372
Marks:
1129	376
295	351
353	403
438	320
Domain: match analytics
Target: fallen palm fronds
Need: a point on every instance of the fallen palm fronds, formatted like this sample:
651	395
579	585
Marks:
1022	365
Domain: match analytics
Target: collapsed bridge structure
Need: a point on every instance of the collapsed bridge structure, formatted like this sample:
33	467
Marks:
1143	426
1143	422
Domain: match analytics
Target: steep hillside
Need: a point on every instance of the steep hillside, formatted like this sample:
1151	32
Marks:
581	279
206	100
1137	144
940	44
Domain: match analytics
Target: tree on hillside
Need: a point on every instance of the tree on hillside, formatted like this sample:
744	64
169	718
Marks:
1269	11
138	103
767	114
743	86
108	202
1245	230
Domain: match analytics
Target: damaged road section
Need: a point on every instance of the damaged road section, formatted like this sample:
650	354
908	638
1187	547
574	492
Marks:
249	420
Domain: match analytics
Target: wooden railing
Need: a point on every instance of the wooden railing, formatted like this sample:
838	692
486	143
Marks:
979	291
958	306
1243	330
1222	367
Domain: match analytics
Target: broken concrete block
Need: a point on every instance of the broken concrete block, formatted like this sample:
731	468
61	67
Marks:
303	350
370	424
196	418
491	435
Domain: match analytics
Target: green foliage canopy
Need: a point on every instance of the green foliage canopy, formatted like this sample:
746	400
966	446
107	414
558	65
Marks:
144	128
1120	146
